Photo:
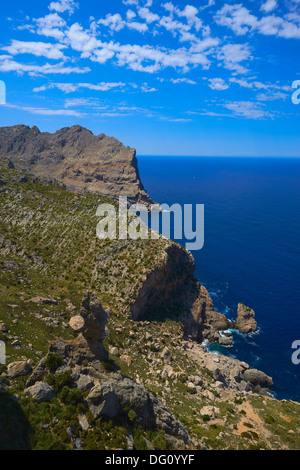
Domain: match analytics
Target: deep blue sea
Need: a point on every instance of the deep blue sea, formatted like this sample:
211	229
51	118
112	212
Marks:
251	252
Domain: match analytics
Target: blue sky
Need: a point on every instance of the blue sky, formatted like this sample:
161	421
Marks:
197	77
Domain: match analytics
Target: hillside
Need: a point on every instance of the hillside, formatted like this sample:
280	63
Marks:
104	337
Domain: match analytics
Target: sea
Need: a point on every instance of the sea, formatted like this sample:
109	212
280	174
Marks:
251	251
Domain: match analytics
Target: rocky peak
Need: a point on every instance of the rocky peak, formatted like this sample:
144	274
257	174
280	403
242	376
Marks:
77	158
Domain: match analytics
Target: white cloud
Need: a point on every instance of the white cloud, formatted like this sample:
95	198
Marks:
173	25
256	85
72	87
268	6
190	13
248	110
242	82
130	14
179	120
80	40
102	55
50	26
241	21
272	96
63	5
204	44
183	80
233	54
141	27
217	84
130	2
114	22
146	89
236	17
209	4
147	15
71	102
40	49
9	65
46	111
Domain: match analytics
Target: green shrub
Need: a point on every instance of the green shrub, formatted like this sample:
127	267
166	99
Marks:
53	361
109	366
132	415
206	418
70	396
58	381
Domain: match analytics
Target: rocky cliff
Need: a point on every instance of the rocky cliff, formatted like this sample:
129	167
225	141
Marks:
77	158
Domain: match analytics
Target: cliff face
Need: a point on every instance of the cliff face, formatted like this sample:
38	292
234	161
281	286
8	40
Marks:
77	158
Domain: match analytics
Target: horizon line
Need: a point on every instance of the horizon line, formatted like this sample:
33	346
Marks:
216	156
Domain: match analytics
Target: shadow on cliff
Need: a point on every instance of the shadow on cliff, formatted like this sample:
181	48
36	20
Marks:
14	426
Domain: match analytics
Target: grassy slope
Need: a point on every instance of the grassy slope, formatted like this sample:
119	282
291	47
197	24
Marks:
48	248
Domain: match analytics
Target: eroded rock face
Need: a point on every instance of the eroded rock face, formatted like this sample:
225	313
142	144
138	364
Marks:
245	321
172	280
76	157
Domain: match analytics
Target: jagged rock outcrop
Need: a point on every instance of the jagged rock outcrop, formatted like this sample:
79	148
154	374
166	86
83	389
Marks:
77	158
110	393
90	324
118	393
245	322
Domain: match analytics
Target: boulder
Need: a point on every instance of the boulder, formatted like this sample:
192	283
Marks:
43	301
84	382
3	327
102	400
225	340
168	372
40	391
211	411
15	369
257	378
114	350
77	323
37	373
127	359
166	355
